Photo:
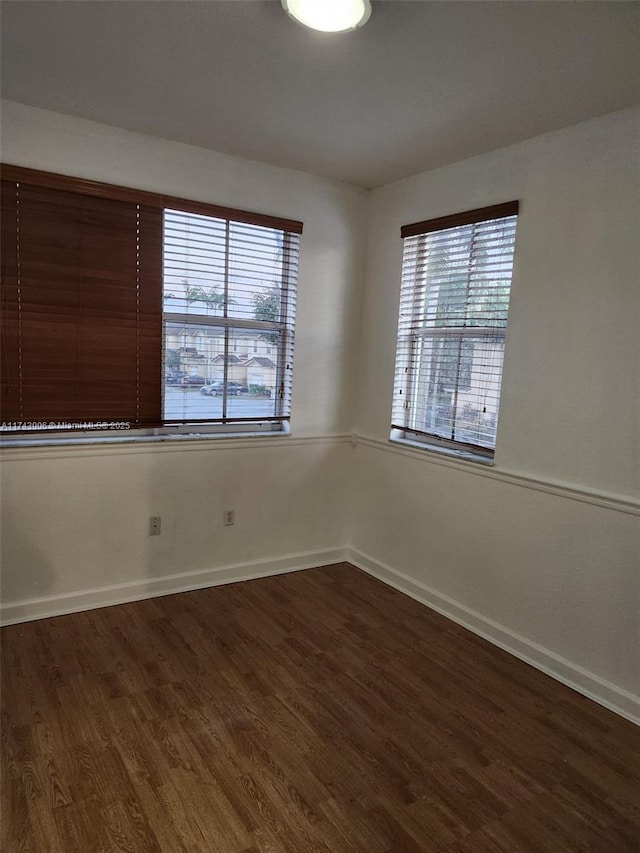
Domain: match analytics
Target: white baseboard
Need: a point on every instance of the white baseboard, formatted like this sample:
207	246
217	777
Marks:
90	599
603	692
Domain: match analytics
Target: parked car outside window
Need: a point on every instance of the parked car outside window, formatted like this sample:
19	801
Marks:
215	389
174	377
192	380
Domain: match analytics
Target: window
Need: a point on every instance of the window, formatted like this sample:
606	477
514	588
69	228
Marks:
233	283
456	279
123	310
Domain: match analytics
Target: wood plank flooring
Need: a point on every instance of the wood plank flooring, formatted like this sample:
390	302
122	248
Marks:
318	711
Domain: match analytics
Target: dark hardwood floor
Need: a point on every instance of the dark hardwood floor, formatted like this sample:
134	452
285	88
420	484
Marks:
317	711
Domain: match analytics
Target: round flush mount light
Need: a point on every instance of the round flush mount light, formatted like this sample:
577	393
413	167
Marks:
329	16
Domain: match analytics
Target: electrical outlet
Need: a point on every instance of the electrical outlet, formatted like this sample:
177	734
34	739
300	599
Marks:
155	525
229	517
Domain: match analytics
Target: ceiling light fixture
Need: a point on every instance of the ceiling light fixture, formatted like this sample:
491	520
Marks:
329	16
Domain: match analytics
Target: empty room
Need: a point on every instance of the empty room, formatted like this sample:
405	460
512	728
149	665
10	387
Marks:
320	444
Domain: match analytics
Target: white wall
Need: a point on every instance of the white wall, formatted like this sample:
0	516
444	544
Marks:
76	520
539	562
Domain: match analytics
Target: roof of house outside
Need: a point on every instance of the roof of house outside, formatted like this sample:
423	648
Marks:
260	361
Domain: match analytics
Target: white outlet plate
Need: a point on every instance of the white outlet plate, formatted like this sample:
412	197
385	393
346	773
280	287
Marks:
229	517
155	525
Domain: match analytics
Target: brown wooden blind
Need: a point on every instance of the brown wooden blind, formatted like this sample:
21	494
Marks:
468	217
82	308
98	189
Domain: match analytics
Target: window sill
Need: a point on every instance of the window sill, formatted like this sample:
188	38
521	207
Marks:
397	437
170	435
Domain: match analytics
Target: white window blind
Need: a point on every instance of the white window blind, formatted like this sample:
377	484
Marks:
456	279
229	310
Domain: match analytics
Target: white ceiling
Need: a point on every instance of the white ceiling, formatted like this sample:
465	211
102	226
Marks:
422	84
